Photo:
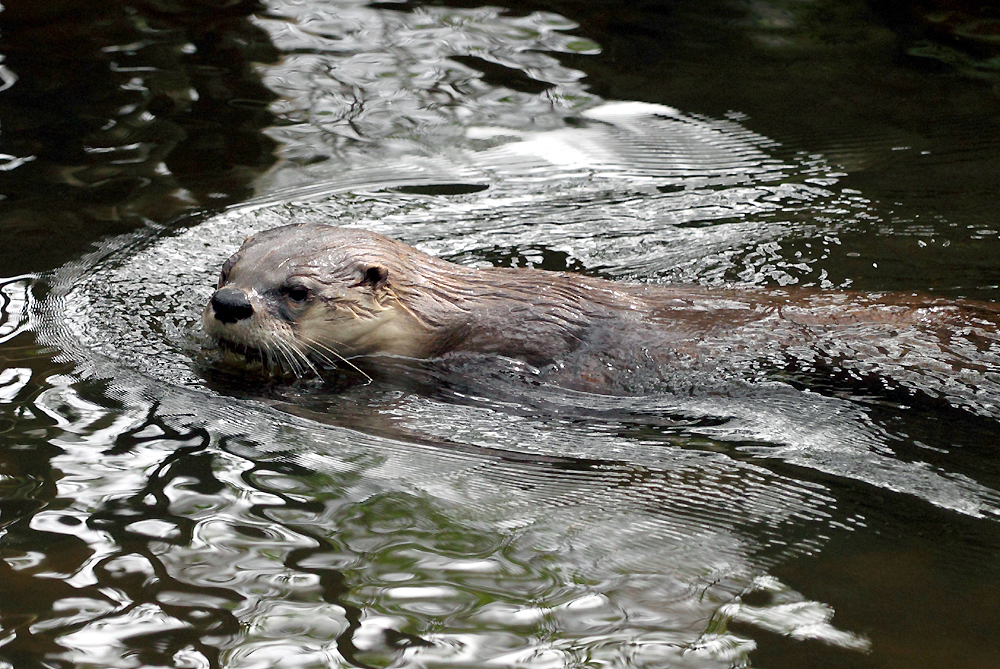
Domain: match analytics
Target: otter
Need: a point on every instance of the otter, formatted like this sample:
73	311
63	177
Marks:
308	294
311	291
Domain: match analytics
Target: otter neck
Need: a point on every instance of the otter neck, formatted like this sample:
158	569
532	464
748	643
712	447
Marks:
533	315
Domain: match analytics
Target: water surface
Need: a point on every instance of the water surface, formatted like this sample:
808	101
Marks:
161	511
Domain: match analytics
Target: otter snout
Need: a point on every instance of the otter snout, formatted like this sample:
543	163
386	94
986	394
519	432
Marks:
231	305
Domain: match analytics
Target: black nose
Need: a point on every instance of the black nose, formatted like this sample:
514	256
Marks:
231	305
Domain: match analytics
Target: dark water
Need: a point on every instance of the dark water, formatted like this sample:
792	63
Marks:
159	511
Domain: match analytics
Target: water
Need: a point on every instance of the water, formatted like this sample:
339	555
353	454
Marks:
158	510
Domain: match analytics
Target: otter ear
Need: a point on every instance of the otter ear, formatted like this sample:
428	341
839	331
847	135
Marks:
375	276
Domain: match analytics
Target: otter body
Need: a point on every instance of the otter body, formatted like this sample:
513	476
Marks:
309	293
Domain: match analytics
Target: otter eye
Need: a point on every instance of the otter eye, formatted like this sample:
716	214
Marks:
296	293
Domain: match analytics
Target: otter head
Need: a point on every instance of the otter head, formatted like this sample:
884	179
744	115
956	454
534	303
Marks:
308	293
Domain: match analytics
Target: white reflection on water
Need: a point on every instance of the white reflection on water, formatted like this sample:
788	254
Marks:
15	298
357	75
484	557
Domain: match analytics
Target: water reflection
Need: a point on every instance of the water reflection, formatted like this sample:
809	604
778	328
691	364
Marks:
392	79
299	545
155	513
139	112
450	515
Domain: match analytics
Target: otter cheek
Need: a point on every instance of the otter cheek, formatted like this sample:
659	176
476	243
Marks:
287	313
316	322
340	329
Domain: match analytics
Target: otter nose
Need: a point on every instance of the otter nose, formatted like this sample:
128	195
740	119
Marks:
231	305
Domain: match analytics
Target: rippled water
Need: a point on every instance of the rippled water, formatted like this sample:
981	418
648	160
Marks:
162	511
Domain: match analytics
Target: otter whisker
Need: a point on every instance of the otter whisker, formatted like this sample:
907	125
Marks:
317	348
275	357
321	356
267	355
304	357
282	364
285	361
288	362
294	357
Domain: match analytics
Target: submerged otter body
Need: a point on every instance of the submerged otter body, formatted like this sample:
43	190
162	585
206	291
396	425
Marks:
308	293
